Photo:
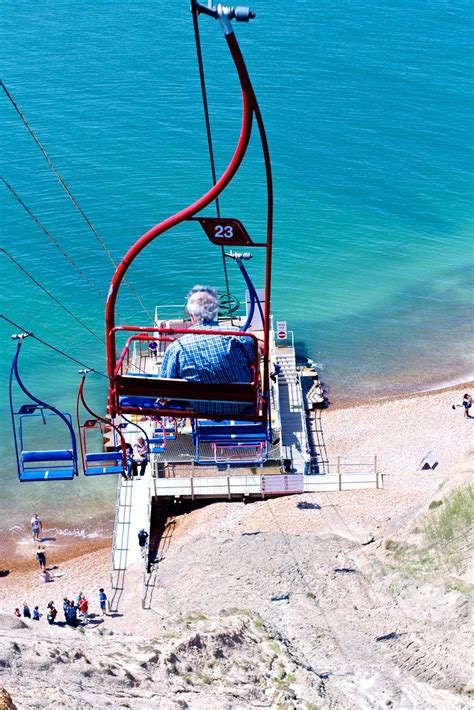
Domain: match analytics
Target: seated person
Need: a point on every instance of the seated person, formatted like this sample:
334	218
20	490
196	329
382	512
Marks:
209	359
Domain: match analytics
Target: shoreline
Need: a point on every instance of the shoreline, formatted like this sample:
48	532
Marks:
374	401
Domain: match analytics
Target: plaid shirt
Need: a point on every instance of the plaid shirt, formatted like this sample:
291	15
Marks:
210	359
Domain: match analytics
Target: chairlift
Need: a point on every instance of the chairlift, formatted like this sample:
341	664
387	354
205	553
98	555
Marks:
99	463
39	465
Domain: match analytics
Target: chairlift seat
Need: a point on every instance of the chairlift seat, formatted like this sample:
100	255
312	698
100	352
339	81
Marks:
157	450
104	456
171	397
140	403
54	474
102	470
51	455
231	431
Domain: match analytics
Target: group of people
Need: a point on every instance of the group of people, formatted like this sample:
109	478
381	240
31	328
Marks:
137	458
75	610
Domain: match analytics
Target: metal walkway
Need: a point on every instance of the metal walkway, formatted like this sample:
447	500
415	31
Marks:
293	420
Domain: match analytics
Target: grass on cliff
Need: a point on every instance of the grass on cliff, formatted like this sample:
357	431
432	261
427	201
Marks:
444	538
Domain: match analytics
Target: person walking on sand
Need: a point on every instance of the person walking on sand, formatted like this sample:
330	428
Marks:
41	556
36	527
18	613
103	601
36	614
26	611
466	405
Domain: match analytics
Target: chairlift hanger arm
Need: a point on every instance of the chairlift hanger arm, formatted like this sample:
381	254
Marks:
249	109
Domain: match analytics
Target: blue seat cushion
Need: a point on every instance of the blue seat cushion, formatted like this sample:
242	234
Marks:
102	470
105	456
54	474
52	455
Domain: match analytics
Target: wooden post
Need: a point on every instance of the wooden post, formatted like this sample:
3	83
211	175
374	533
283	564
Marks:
339	472
228	488
376	470
192	487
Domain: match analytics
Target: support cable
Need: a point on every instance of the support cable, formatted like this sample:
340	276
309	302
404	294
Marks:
50	237
71	197
50	295
52	347
205	104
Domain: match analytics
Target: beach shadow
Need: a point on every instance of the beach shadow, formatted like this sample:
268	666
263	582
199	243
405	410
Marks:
47	539
114	614
304	505
95	622
4	572
388	637
346	570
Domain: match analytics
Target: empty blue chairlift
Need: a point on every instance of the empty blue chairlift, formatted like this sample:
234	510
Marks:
230	442
165	431
99	463
39	465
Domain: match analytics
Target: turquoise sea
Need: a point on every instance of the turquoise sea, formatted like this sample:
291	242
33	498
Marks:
369	113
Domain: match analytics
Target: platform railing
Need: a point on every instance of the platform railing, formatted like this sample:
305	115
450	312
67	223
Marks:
356	475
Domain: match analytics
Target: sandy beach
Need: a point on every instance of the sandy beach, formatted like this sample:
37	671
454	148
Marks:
400	431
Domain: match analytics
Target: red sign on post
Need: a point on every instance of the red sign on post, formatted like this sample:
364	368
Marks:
282	330
293	483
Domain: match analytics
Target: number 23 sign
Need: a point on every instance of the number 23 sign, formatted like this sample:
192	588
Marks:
225	231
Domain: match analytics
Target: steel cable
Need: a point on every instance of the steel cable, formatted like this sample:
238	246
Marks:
50	295
52	347
71	197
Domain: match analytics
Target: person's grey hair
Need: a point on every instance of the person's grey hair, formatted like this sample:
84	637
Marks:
203	303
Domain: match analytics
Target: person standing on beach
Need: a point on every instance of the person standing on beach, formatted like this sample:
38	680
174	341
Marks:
467	404
36	614
65	608
26	611
84	608
36	527
52	613
41	556
103	601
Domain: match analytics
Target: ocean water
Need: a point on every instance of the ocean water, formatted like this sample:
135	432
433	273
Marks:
369	112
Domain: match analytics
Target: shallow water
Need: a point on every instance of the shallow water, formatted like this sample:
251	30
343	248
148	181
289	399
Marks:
369	119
